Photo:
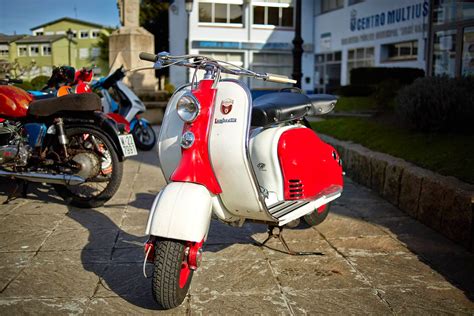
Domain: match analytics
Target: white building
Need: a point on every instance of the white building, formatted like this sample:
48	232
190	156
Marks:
338	35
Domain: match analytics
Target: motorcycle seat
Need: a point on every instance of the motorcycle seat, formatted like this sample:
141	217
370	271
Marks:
273	108
70	103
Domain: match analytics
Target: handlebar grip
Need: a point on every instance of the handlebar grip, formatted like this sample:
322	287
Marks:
279	78
148	57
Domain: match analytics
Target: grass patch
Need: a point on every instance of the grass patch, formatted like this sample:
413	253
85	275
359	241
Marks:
355	104
447	154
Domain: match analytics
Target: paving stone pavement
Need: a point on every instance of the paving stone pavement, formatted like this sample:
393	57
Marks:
57	259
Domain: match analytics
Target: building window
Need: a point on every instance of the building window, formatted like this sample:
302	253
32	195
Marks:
399	51
233	58
39	33
95	52
280	64
220	13
274	13
351	2
444	53
329	5
446	11
22	51
4	50
84	53
34	50
360	57
95	33
84	34
46	50
328	72
467	67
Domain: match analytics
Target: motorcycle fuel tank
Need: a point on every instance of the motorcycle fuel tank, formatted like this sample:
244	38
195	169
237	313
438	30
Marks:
13	101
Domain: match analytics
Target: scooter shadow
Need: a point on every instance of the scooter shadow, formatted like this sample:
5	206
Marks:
116	255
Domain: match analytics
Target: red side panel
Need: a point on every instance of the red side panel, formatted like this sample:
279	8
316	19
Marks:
14	101
120	120
195	165
308	164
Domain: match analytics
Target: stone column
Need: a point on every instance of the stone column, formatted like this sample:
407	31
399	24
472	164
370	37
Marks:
126	43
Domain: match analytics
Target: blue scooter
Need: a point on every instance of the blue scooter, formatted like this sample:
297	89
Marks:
125	107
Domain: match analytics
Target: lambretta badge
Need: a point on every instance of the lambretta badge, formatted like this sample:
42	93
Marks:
226	106
224	120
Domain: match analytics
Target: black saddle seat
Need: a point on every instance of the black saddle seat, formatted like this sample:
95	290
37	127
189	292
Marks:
70	102
278	107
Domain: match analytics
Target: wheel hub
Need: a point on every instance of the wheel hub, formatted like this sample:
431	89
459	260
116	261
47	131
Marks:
89	164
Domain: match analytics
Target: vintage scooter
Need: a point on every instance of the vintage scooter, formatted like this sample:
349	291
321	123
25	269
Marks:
240	160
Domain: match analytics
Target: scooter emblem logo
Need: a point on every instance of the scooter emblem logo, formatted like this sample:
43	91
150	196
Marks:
226	106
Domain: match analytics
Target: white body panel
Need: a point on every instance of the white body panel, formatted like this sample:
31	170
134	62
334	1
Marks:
264	156
228	143
137	105
181	211
169	150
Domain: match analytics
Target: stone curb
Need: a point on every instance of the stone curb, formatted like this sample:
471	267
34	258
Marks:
442	203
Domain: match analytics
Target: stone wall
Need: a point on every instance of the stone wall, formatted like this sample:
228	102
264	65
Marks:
442	203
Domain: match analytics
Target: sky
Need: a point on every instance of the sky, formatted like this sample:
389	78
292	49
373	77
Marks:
19	16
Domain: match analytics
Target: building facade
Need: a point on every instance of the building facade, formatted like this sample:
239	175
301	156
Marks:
50	46
339	35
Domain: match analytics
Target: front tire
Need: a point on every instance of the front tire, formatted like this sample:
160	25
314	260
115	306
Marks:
144	136
171	275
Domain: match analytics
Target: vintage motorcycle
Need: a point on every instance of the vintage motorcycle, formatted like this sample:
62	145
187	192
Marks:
124	106
65	141
240	160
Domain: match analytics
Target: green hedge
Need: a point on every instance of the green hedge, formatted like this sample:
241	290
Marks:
375	75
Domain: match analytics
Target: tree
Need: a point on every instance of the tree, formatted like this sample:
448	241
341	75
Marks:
102	60
154	18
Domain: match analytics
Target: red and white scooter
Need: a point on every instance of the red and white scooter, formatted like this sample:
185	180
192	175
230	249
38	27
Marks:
240	160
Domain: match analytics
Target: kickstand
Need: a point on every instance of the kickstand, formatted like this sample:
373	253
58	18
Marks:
276	232
16	188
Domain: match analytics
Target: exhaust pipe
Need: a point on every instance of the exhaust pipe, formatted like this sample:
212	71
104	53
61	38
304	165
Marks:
44	177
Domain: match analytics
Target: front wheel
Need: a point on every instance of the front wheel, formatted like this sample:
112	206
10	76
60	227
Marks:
171	275
144	136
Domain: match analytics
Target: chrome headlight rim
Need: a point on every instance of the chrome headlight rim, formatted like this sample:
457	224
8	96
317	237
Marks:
196	103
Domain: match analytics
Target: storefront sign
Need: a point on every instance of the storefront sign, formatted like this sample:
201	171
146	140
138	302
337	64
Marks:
389	17
407	30
241	45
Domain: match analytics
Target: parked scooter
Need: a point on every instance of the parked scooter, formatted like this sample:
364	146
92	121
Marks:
127	109
65	141
240	160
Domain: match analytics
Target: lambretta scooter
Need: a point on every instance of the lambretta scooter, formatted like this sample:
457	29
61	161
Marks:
223	154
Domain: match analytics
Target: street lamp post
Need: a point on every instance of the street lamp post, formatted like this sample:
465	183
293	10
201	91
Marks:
297	47
69	35
188	5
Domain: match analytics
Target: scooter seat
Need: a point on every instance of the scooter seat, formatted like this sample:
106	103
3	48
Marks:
273	108
70	102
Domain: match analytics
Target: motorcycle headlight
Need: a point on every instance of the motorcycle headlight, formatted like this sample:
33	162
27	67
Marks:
188	108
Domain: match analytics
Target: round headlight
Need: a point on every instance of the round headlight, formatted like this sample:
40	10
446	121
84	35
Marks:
188	107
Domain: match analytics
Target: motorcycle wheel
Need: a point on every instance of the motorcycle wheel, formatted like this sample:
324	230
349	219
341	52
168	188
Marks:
105	183
171	274
317	216
144	136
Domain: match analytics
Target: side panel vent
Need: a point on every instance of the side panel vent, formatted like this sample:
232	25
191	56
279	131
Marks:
295	189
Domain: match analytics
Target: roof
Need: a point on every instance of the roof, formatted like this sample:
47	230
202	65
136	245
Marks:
40	39
70	20
4	38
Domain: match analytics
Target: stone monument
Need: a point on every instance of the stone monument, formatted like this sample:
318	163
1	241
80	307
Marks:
126	43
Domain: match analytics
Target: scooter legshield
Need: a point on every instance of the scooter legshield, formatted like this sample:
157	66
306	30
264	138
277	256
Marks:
182	210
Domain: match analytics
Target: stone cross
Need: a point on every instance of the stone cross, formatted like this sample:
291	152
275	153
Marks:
129	12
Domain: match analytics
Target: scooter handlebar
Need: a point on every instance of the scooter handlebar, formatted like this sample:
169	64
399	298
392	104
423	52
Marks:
148	57
278	78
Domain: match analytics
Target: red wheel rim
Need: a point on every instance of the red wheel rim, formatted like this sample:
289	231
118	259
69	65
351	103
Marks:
184	274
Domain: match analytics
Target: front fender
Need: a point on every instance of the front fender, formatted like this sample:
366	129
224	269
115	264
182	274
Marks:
182	211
